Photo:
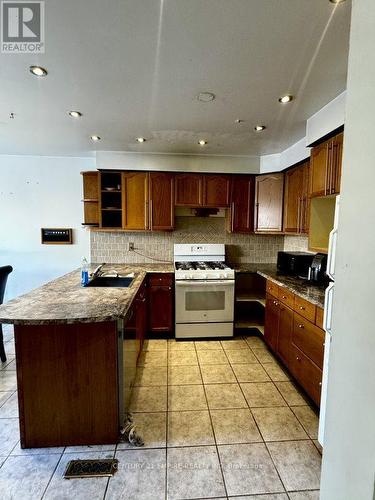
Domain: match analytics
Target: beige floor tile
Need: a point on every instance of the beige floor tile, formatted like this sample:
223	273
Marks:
4	396
181	358
272	496
186	397
276	372
235	426
152	427
8	381
11	360
153	358
190	428
10	408
217	357
292	395
141	475
278	424
241	356
181	345
208	345
184	375
149	399
9	435
248	469
318	446
229	345
308	418
217	374
151	375
304	495
255	342
262	394
253	372
155	345
220	396
194	472
263	355
298	463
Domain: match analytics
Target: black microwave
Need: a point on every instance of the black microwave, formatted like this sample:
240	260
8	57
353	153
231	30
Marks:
294	263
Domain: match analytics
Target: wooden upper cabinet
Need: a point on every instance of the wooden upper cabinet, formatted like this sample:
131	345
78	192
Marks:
161	204
91	198
296	199
271	322
135	200
269	190
188	190
326	159
242	204
216	189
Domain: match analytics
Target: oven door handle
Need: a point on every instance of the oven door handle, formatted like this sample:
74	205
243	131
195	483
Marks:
204	283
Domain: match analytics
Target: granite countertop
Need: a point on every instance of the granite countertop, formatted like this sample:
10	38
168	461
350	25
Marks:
64	300
312	293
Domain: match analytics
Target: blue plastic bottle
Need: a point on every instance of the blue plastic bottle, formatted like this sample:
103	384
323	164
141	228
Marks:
84	272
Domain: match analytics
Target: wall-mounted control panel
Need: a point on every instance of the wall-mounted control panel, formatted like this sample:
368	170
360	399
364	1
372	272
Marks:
57	236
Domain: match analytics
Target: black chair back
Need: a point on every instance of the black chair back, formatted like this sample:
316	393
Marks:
4	273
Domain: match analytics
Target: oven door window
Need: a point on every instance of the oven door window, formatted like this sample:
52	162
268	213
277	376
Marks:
205	301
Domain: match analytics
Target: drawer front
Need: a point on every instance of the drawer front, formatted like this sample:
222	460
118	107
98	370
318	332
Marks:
307	374
161	279
272	288
286	297
309	339
305	308
319	317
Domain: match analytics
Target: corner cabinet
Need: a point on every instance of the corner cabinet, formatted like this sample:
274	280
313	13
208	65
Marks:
326	159
296	201
241	214
269	189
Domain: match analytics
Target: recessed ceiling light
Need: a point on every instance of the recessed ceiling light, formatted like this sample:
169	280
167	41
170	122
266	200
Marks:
239	120
95	138
202	142
337	1
285	98
75	114
141	139
259	128
38	71
206	96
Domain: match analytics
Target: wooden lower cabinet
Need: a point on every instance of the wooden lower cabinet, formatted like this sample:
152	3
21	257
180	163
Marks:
160	303
295	338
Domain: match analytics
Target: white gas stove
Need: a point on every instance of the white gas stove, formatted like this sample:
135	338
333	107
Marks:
204	291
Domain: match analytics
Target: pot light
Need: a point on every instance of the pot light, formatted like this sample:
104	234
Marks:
141	139
337	1
285	98
38	71
239	120
259	128
206	96
202	142
75	114
95	138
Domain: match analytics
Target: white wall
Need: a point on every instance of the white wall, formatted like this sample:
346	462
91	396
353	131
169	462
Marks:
326	119
290	156
171	162
40	192
349	452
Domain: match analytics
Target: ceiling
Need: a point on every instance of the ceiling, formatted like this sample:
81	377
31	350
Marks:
135	67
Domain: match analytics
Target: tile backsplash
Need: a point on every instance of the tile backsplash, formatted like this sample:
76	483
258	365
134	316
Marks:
112	247
296	243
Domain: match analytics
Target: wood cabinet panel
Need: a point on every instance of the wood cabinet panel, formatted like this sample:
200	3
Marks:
319	317
309	339
269	202
90	198
135	200
307	373
161	190
305	308
295	199
337	163
188	190
319	169
242	204
285	332
271	322
286	296
216	190
161	300
272	288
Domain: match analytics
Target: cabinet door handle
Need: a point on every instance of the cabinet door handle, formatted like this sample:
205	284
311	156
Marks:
297	358
326	178
151	215
256	216
232	216
300	326
302	308
284	296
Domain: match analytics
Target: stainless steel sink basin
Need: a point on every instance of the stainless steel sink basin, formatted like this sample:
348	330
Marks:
111	281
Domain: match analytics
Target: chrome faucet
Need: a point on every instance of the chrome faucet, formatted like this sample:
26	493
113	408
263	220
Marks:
98	271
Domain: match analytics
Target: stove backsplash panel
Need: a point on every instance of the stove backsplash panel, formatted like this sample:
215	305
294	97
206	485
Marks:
112	247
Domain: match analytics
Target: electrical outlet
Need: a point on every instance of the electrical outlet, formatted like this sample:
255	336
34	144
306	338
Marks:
130	246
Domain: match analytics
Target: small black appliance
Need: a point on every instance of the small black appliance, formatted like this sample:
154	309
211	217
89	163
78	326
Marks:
317	270
294	263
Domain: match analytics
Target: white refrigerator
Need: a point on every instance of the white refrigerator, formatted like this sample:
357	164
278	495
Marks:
327	321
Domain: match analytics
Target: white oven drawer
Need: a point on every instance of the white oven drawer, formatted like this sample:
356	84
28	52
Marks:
204	301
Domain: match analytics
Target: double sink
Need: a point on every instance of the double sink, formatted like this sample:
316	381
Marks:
111	281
